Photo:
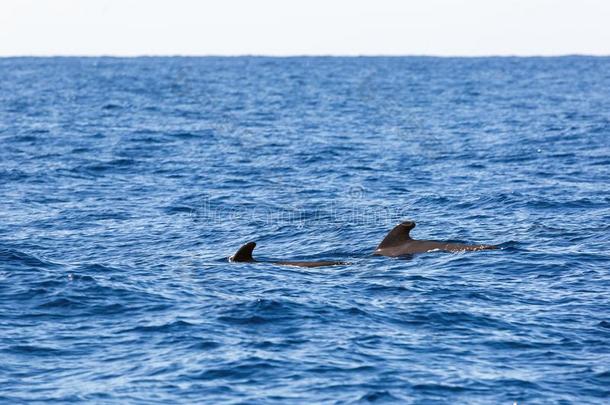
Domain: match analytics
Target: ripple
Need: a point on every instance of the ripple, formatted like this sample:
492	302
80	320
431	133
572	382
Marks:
126	183
31	350
12	257
167	327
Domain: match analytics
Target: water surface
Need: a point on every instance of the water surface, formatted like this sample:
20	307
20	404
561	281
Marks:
126	183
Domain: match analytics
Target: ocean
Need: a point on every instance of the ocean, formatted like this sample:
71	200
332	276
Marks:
126	183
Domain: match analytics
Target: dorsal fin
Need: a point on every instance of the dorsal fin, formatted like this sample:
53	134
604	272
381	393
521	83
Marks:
398	235
244	254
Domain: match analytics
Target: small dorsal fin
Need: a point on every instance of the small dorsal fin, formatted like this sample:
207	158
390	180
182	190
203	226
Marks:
398	235
244	254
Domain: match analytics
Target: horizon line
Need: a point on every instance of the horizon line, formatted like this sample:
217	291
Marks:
321	55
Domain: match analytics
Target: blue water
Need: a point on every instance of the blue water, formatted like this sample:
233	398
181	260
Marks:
126	183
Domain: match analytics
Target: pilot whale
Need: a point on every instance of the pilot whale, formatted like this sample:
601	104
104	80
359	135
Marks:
398	242
244	254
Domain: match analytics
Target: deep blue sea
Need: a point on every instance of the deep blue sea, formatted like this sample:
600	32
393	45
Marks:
125	184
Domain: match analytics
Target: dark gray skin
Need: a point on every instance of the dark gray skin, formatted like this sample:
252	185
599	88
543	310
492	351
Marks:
244	255
398	242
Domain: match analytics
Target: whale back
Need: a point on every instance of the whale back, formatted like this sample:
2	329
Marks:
244	254
398	235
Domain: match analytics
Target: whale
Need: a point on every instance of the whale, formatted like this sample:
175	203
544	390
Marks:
398	242
244	255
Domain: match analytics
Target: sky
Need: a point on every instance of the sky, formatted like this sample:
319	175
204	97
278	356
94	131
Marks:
299	27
